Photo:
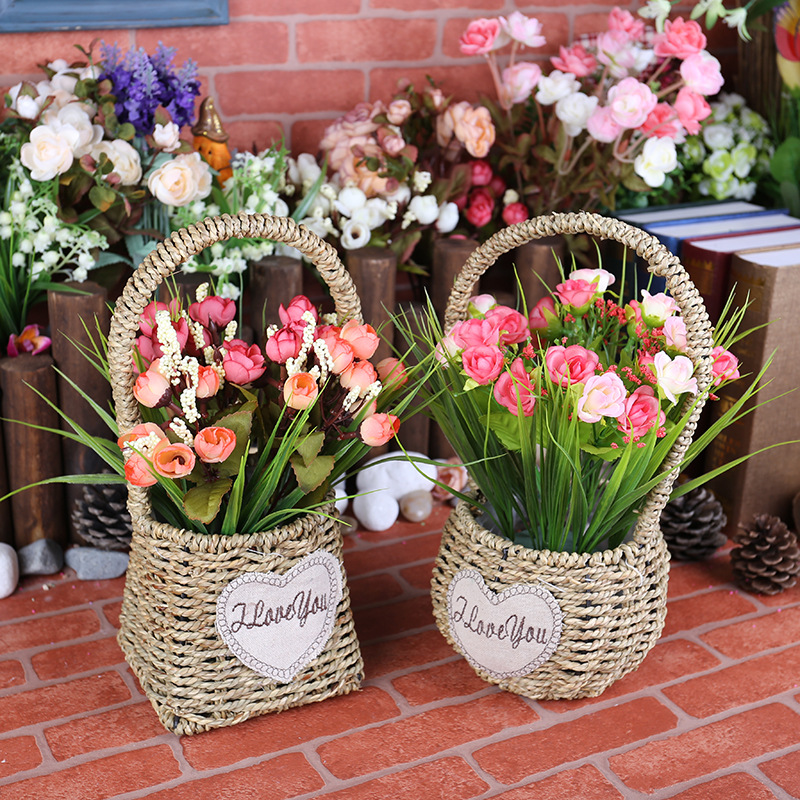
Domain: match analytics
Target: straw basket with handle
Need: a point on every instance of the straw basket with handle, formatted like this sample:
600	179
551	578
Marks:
198	668
563	625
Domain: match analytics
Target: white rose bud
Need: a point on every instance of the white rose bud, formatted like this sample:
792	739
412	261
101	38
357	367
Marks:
448	217
425	208
167	137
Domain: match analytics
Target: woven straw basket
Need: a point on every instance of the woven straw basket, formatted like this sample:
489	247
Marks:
167	625
613	602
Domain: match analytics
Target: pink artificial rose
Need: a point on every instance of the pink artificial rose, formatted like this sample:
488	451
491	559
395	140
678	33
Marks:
213	310
476	131
674	376
675	332
702	73
147	319
362	338
567	366
618	52
515	213
481	37
725	366
663	121
398	111
656	308
497	186
300	390
138	471
340	351
447	120
242	363
28	341
620	20
512	325
480	172
633	312
284	344
543	314
391	141
601	278
631	101
291	316
214	444
392	372
642	411
480	209
446	350
646	362
525	30
483	363
519	81
575	59
680	39
142	431
359	375
576	294
452	474
151	388
378	429
602	126
603	396
472	332
692	109
208	382
173	460
479	304
514	390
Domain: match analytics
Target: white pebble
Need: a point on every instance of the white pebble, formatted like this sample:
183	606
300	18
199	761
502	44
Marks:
416	506
9	569
396	477
341	498
376	511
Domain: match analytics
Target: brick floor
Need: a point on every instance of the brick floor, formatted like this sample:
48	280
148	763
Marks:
713	713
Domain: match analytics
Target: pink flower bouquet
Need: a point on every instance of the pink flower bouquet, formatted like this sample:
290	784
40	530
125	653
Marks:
240	438
564	415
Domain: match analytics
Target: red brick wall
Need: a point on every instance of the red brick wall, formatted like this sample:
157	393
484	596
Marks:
291	66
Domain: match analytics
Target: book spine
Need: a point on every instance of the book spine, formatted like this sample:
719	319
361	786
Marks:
709	271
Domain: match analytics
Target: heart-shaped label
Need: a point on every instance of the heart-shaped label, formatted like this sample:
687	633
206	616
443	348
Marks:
507	634
278	624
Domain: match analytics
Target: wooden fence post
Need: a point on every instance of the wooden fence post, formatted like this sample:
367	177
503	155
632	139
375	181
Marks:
535	262
449	256
273	280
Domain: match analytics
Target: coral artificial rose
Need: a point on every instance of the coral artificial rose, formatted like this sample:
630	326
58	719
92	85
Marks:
340	351
674	376
392	372
680	39
138	471
173	460
242	363
453	475
472	332
362	338
300	390
663	120
480	209
144	430
214	310
354	170
725	366
483	363
214	444
378	429
28	341
570	365
481	37
151	388
514	213
512	326
514	390
124	158
642	411
208	382
447	120
359	375
49	151
475	130
576	294
283	345
691	108
575	59
292	315
603	396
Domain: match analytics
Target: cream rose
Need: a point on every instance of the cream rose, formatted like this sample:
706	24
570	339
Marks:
89	135
49	151
167	137
125	159
180	181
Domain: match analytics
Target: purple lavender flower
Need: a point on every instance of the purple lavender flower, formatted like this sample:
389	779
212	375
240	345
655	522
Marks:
141	83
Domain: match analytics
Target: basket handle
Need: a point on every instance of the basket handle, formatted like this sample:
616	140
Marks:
179	247
660	262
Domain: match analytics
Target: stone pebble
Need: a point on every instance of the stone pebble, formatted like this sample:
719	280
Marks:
9	569
93	564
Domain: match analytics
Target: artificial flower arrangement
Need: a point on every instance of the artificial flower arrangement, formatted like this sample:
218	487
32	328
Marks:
240	439
564	416
729	158
395	170
607	115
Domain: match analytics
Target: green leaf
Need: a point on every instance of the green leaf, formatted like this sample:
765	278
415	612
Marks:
308	448
311	476
203	502
240	422
507	429
126	131
785	161
606	453
102	197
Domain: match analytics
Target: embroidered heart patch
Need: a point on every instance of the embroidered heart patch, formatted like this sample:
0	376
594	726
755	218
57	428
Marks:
278	624
507	634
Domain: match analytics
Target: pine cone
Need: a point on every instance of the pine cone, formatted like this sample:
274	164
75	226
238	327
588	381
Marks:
692	525
101	517
767	559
